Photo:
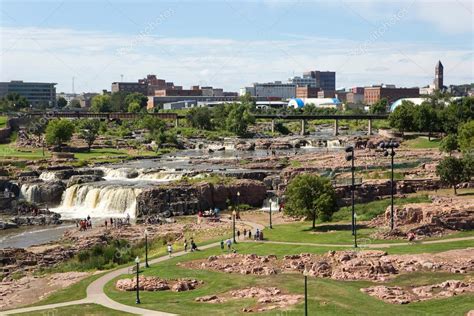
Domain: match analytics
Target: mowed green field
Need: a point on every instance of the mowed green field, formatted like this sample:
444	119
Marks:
326	296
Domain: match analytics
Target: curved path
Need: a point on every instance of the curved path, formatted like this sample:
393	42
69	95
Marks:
96	295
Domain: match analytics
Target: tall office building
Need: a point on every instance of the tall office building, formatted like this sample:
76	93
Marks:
37	93
325	80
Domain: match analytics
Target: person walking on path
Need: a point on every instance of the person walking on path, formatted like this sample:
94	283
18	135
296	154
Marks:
250	234
222	245
185	245
238	234
170	250
245	232
229	244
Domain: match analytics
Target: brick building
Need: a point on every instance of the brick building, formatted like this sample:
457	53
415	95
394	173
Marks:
374	94
307	92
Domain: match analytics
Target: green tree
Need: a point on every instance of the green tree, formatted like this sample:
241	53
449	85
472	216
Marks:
456	113
152	123
200	118
311	196
379	107
61	102
13	101
449	144
118	101
425	119
88	131
466	137
402	118
101	103
75	104
59	131
238	119
134	107
451	171
136	97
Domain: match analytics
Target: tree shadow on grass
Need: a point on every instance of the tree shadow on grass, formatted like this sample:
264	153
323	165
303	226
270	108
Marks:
333	227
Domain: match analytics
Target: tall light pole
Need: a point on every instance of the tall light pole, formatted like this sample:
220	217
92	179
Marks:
355	231
146	249
305	273
391	144
271	200
234	213
350	157
137	261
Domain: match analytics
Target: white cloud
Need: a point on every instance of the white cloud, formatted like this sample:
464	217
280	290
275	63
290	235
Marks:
95	59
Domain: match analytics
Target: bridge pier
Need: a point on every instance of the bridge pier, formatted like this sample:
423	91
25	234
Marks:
369	132
336	127
303	127
273	126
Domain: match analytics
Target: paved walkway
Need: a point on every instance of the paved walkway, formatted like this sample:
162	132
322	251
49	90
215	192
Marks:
96	295
95	290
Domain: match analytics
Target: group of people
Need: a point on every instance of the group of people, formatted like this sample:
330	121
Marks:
191	243
24	209
117	222
84	224
248	234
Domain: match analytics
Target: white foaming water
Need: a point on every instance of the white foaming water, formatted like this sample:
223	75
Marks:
30	192
266	206
48	176
334	143
82	200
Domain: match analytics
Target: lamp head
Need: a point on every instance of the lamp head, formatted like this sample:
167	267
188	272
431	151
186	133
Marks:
385	153
348	157
349	149
137	260
382	145
238	193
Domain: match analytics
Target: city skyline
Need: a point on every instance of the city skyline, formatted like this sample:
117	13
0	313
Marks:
229	45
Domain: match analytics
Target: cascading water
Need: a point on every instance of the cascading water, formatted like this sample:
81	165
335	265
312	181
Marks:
48	176
99	200
274	205
30	192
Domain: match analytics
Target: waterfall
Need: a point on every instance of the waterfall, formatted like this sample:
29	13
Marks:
30	192
334	143
266	205
48	176
81	200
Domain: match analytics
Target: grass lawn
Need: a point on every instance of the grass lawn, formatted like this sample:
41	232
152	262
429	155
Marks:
326	297
71	293
78	310
10	151
368	211
3	121
421	143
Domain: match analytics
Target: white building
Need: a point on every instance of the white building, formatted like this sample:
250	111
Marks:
275	89
327	103
303	81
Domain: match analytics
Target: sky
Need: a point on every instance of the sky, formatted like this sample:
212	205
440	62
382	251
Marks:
231	44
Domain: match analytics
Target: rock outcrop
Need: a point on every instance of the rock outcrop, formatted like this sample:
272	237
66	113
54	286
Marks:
399	295
186	199
157	284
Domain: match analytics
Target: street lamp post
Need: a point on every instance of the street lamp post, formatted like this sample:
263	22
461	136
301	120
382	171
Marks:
146	249
270	201
390	145
234	213
350	157
305	273
137	261
355	231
